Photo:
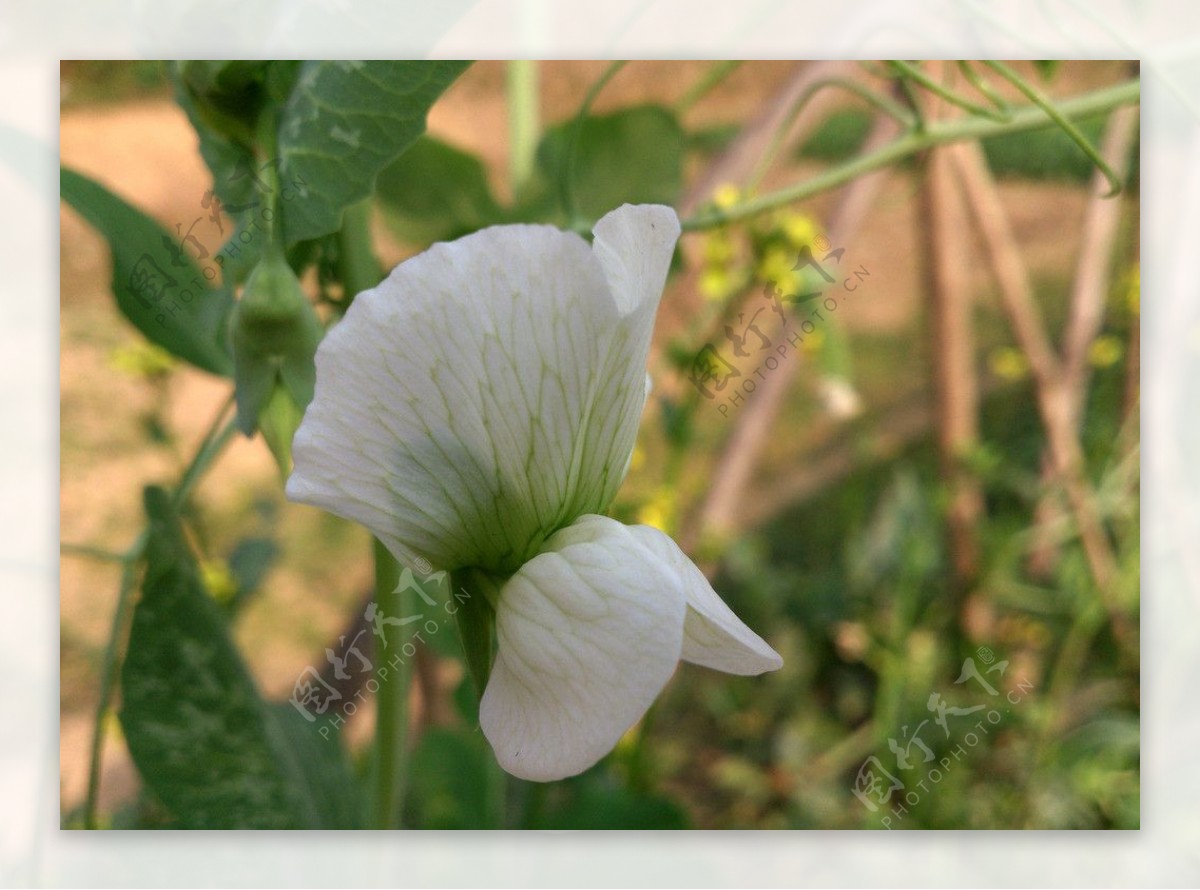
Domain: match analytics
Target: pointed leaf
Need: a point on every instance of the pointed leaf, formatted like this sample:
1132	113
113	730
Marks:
157	285
202	739
435	192
342	124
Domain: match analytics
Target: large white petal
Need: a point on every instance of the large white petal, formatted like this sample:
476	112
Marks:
588	631
713	636
489	390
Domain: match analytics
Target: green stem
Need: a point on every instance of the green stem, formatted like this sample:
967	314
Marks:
108	676
211	446
1021	120
268	141
876	100
984	88
567	173
89	552
912	72
393	671
713	75
497	794
1056	114
523	123
357	266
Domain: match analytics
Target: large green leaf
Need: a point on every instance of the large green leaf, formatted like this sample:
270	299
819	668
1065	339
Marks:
205	743
435	192
157	285
634	156
327	778
450	786
594	802
343	123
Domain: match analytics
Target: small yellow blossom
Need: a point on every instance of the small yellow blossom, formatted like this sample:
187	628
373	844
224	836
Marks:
638	458
1105	351
719	248
813	342
658	511
1008	363
717	283
1133	290
141	359
726	195
218	580
797	228
776	267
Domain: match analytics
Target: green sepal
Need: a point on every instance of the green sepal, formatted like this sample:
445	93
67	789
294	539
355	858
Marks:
275	336
476	620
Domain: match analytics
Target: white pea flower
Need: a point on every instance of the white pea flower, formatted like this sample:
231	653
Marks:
478	409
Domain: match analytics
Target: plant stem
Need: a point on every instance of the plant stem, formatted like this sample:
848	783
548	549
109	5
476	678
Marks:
945	93
357	266
89	552
713	75
567	173
359	270
523	122
1029	117
213	443
108	676
393	671
1038	98
876	100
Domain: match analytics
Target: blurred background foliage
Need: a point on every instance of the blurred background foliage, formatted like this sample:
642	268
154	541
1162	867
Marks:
844	546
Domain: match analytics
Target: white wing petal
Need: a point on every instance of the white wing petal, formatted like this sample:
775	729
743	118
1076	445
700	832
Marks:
488	391
589	632
713	636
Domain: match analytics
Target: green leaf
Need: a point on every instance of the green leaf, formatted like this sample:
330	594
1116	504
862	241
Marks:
202	739
249	563
343	123
327	778
228	95
436	192
157	285
634	156
450	784
591	803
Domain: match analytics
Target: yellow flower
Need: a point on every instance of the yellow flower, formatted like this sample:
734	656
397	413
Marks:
717	282
638	459
659	510
1105	351
141	359
1008	363
797	228
1133	290
218	580
776	268
719	248
726	195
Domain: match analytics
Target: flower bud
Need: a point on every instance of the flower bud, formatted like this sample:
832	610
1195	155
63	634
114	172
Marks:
275	335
